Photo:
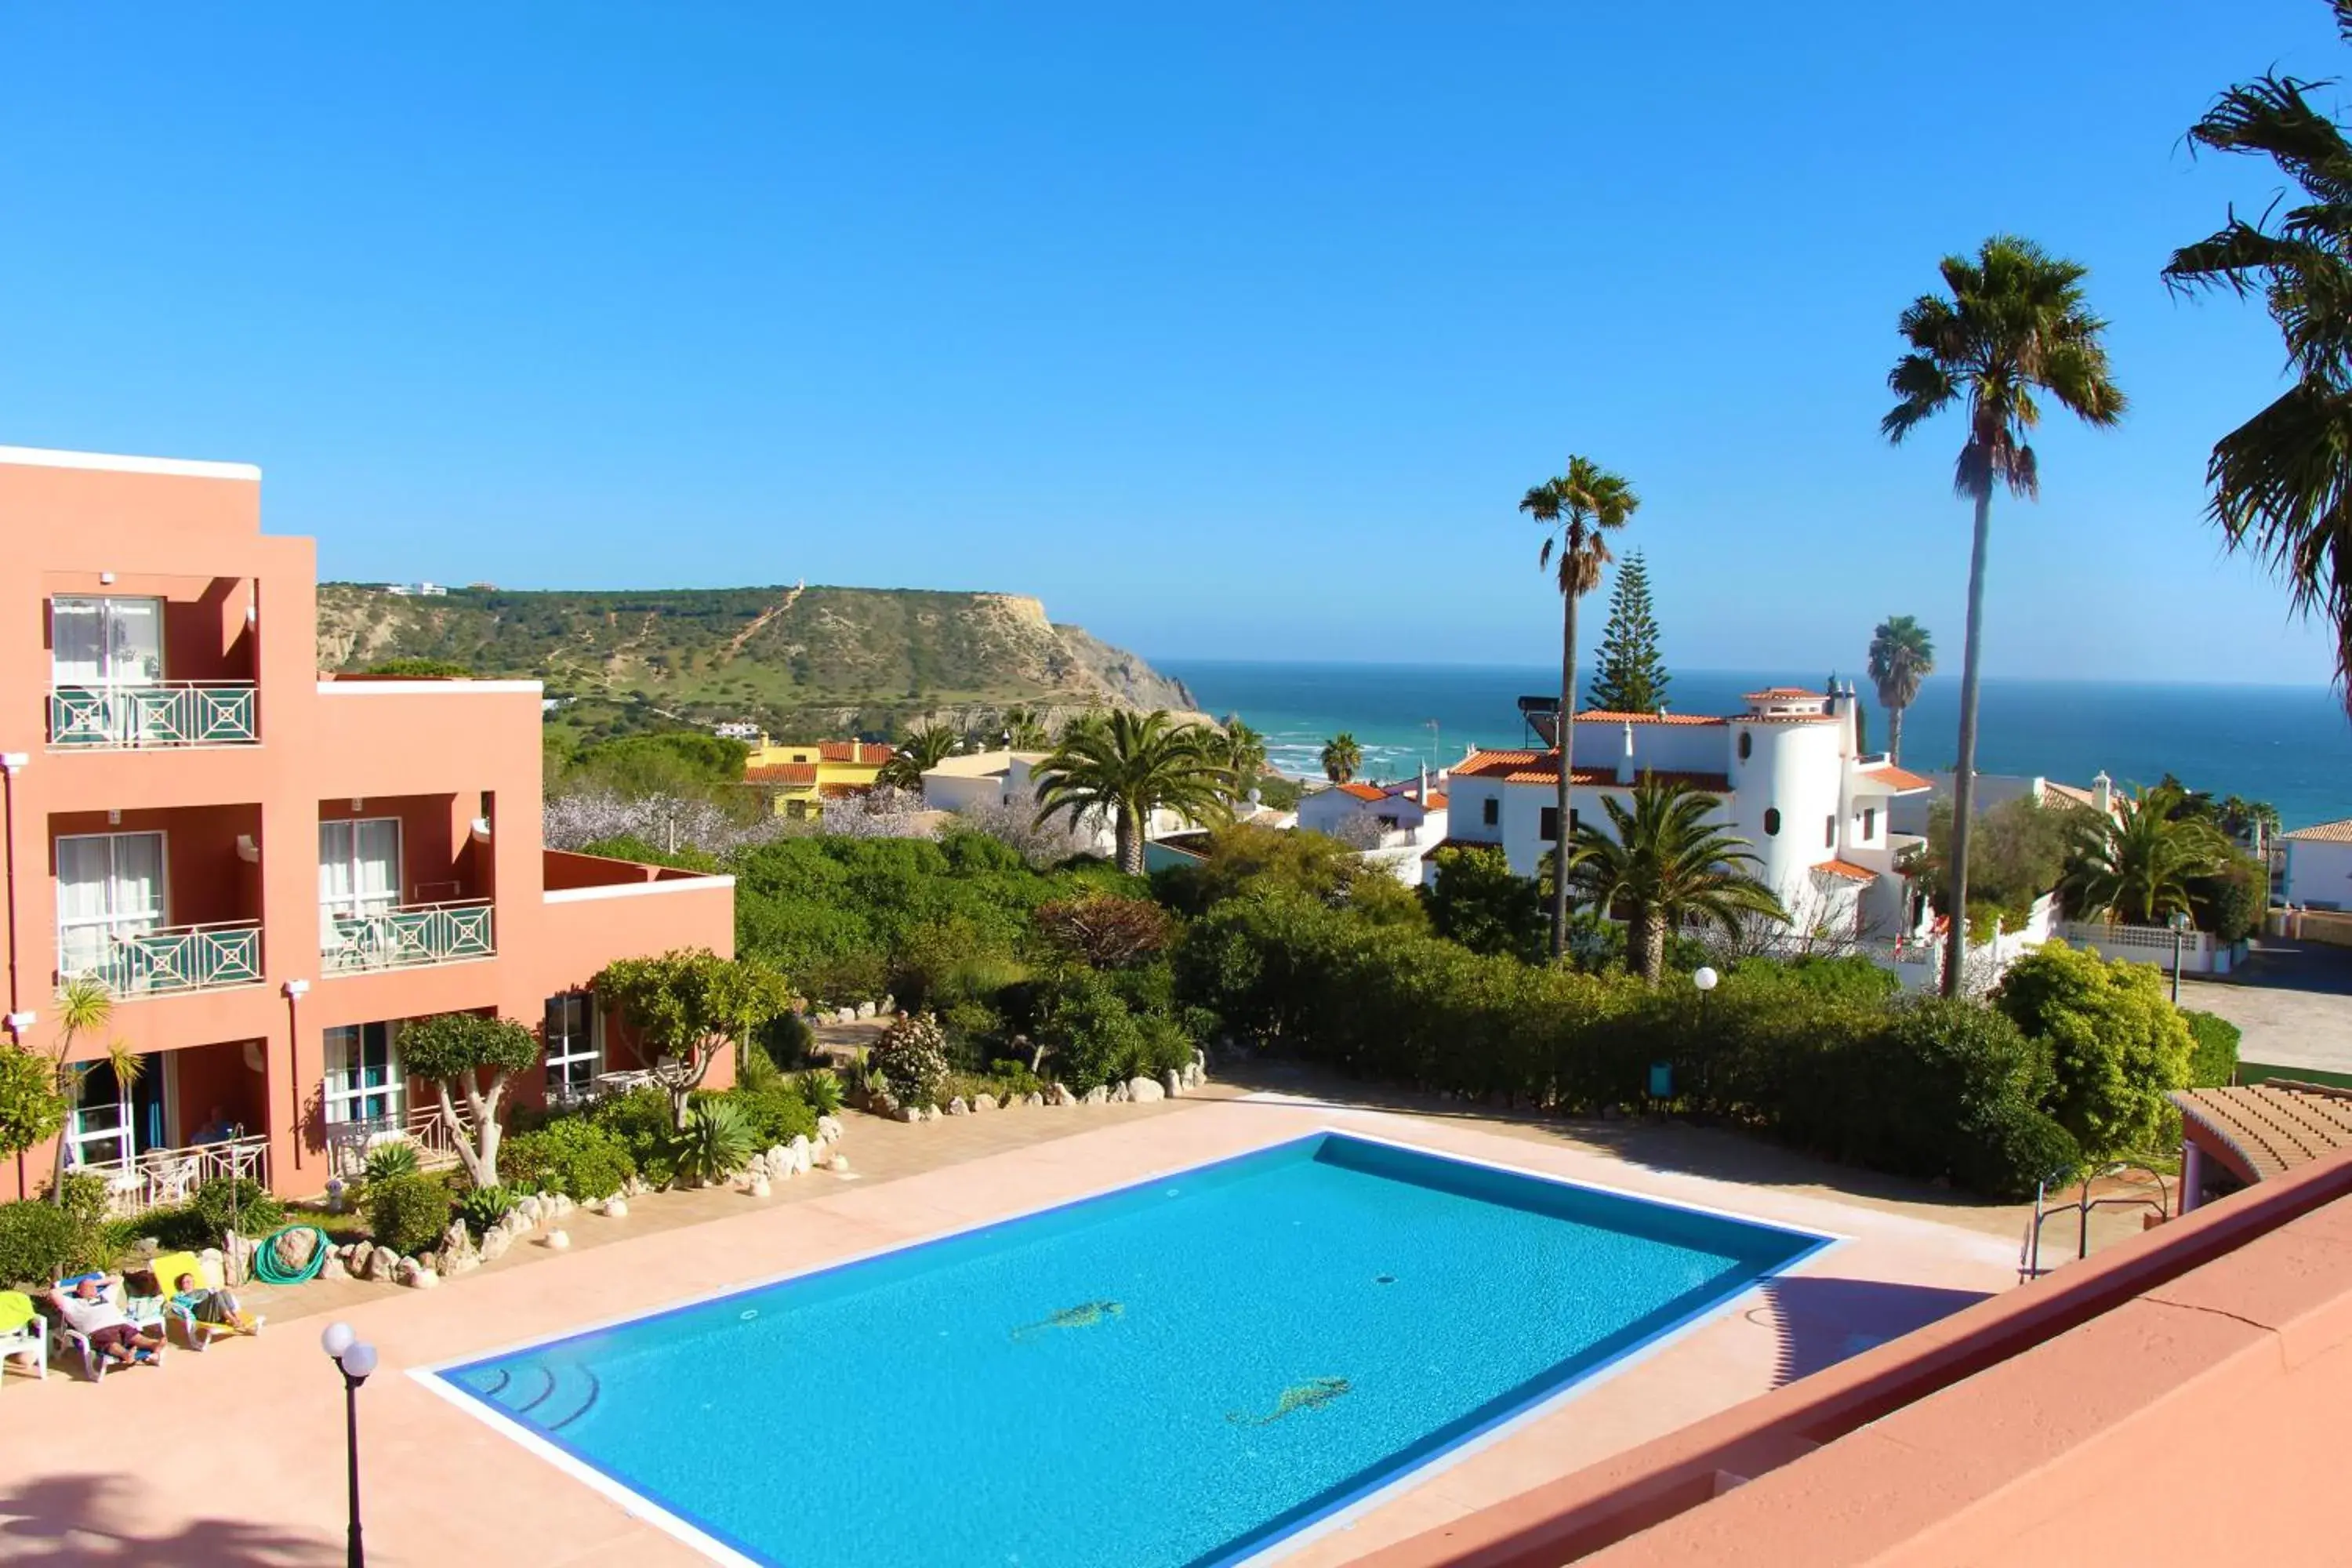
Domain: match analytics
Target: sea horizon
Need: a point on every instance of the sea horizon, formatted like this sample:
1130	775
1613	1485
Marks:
2287	743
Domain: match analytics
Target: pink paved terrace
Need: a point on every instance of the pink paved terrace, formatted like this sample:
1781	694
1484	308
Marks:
249	1466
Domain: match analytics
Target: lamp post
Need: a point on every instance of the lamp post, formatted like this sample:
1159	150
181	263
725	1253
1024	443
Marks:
354	1358
2180	923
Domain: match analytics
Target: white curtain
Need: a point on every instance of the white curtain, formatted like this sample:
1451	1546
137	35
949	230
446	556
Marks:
375	882
134	641
111	641
108	885
76	641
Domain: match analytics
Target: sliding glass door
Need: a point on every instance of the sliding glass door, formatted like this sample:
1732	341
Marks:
359	878
109	893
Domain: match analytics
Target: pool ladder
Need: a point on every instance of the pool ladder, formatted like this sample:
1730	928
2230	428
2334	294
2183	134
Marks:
2029	1252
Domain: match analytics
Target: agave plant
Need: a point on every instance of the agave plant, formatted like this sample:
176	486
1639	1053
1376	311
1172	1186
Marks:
715	1142
822	1088
483	1207
385	1161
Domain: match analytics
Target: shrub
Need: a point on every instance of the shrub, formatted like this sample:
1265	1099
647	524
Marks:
971	1026
2116	1046
1953	1088
42	1241
787	1041
641	1120
1091	1037
2213	1050
1852	978
715	1142
83	1194
821	1087
771	1115
396	1157
238	1203
408	1213
574	1156
1479	901
483	1207
2232	903
911	1057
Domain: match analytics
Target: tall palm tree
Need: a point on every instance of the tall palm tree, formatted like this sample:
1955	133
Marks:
2136	866
2281	482
2014	324
1665	865
1244	755
1576	509
85	1007
917	754
1125	765
1341	758
1901	655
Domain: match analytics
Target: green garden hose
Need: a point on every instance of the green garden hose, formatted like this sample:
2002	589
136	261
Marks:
270	1269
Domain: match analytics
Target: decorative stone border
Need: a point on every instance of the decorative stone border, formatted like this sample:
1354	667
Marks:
1169	1085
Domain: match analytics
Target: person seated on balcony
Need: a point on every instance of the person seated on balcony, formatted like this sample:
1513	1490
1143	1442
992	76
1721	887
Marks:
208	1304
88	1311
217	1128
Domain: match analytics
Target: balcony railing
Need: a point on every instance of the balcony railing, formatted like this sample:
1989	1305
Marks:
175	959
162	714
164	1178
411	936
349	1144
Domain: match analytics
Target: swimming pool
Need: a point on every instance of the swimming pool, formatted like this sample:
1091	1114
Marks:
1180	1371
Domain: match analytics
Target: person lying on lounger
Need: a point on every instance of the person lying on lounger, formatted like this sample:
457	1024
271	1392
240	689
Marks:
206	1304
88	1311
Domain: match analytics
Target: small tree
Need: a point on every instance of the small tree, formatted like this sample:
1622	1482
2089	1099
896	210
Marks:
31	1109
2115	1045
1480	902
1631	677
455	1050
1105	930
85	1007
687	1005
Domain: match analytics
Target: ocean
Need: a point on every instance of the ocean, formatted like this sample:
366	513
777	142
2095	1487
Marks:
2290	745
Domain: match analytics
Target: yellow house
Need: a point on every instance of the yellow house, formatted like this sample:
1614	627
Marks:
800	776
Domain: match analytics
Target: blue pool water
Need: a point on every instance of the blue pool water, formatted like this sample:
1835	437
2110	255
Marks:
1175	1372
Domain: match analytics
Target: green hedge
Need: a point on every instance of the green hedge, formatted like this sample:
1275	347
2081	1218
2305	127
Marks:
574	1156
1822	1057
408	1213
2213	1056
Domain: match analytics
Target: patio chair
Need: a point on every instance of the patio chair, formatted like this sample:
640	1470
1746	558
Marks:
22	1333
66	1340
167	1269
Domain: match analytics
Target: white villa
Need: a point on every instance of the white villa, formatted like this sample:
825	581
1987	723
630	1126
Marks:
2319	865
1007	778
1398	824
1994	790
1814	808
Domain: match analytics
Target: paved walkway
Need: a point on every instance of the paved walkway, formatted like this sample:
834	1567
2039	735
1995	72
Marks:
2294	1000
235	1457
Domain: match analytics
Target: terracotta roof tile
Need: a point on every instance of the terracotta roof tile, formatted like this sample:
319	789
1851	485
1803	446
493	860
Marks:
2339	832
1489	765
1848	871
786	773
1903	781
1783	694
1603	716
1364	790
862	752
2271	1130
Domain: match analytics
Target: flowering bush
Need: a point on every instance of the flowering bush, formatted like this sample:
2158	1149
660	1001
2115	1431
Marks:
912	1057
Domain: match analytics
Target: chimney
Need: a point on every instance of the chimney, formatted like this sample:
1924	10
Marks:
2102	792
1423	795
1625	763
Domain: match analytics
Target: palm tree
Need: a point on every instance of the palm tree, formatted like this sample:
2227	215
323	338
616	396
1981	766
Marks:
1125	765
2281	482
2015	323
2136	866
1901	655
917	754
1244	755
1665	865
1025	730
1341	757
1581	505
85	1007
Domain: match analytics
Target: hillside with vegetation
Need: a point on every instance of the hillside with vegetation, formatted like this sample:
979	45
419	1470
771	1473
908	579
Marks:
834	660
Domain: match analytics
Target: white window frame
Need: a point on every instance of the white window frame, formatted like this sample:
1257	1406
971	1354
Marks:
110	654
565	1050
343	1097
356	905
115	922
124	1132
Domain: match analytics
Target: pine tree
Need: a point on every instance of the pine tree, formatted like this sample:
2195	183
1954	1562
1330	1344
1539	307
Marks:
1631	677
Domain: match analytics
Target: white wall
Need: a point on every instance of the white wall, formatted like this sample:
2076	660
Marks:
2318	874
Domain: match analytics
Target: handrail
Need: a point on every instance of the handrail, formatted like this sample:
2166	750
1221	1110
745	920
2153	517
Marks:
409	936
157	714
161	1178
170	960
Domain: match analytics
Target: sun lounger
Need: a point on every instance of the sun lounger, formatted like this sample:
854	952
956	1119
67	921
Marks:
22	1333
66	1340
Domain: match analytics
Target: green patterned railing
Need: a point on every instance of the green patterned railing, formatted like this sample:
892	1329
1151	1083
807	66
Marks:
409	937
178	958
164	714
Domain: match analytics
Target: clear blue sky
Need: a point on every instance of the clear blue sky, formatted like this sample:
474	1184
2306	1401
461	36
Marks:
1225	328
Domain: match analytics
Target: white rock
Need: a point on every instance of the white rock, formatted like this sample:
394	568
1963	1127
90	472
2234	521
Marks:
1099	1095
334	1268
931	1113
865	1009
846	1016
802	1155
1034	1099
1143	1089
984	1102
780	1160
828	1127
495	1245
759	1188
909	1113
1119	1095
561	1205
464	1263
557	1240
838	1164
1171	1084
616	1208
1060	1095
956	1107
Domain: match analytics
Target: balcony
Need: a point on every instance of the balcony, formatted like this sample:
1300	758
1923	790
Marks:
164	1178
408	936
161	715
172	960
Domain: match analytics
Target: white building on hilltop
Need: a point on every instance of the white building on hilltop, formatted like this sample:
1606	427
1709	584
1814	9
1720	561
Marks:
1789	772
